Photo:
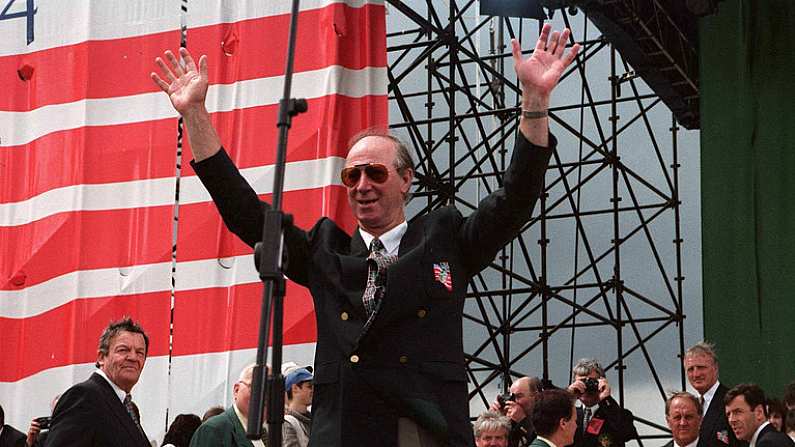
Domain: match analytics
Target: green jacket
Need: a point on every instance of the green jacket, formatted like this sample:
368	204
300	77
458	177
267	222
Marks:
224	430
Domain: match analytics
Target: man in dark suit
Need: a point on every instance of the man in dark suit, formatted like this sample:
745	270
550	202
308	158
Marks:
683	415
554	418
228	428
9	436
701	367
98	412
600	420
519	409
747	414
389	299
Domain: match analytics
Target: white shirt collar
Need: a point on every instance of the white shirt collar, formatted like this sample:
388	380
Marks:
709	395
756	433
546	440
692	444
593	408
119	392
390	239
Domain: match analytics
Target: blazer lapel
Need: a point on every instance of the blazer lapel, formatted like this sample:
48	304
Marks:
353	273
238	431
116	407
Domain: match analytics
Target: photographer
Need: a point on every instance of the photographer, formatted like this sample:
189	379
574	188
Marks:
600	420
518	406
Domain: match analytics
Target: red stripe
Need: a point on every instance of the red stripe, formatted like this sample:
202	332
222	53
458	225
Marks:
138	151
90	155
92	69
69	334
333	35
121	67
202	234
66	242
225	319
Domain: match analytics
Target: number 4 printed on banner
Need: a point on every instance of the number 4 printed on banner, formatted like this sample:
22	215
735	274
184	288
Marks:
28	13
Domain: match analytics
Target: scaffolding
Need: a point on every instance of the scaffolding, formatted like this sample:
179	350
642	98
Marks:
454	96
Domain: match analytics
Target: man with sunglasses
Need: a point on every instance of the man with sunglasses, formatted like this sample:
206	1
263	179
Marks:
389	298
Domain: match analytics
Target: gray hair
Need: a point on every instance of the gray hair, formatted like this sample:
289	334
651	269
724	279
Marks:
491	421
585	366
703	348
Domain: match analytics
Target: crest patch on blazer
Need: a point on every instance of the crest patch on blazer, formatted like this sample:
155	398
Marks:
441	273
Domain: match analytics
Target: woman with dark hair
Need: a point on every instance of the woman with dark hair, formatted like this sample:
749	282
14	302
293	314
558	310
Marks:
776	412
181	430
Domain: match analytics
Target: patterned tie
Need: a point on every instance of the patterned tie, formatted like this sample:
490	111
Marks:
586	418
377	263
128	404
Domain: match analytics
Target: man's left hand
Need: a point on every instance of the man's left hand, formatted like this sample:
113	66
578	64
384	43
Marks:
604	389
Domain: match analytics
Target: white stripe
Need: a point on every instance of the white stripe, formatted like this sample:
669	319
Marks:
212	12
33	394
204	380
212	273
84	284
60	23
19	128
107	196
299	175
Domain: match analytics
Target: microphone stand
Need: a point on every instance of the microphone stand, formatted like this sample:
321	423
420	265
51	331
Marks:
268	259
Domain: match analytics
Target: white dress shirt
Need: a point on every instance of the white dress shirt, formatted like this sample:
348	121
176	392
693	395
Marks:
390	239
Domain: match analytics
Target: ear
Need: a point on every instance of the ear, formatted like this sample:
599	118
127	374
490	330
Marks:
100	359
407	177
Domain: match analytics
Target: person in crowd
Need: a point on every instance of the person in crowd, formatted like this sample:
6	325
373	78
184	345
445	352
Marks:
181	430
554	418
519	409
9	436
746	412
789	396
212	411
99	411
39	427
683	416
228	429
408	330
491	429
776	412
297	418
789	424
701	367
600	420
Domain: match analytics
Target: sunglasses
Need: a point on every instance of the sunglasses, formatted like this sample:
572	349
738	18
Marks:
376	172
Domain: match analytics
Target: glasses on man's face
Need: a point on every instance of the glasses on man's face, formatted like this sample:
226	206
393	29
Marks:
376	172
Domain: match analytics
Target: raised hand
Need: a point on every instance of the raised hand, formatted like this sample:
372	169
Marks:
187	83
539	74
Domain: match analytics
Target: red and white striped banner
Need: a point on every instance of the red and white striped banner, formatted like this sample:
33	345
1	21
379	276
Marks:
88	169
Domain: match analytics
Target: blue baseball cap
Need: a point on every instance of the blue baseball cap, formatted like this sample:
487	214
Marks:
296	376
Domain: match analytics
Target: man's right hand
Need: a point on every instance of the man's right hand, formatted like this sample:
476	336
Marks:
577	387
514	411
187	89
33	433
187	83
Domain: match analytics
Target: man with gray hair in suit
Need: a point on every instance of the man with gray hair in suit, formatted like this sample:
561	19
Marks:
600	419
